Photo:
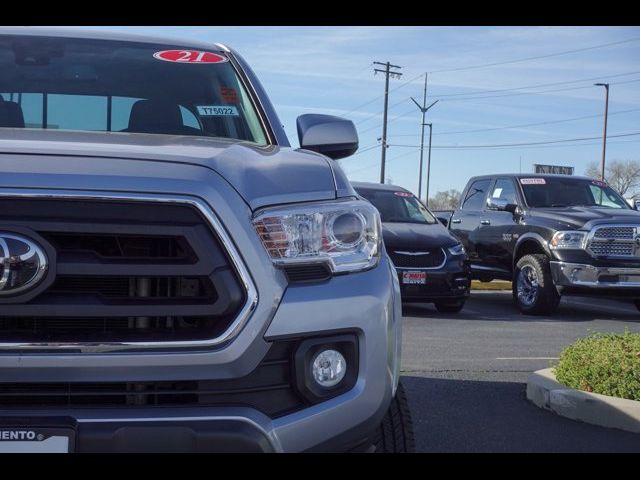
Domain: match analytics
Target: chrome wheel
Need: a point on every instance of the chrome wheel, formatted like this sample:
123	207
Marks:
527	285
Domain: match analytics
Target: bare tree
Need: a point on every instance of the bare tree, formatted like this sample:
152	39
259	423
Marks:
621	175
447	200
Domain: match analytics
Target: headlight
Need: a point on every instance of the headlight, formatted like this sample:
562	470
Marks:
346	235
568	240
456	249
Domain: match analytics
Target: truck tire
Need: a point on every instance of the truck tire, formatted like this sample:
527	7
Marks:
450	307
395	434
533	290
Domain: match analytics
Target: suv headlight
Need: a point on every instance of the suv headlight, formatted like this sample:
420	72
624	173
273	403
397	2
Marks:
456	249
568	240
344	234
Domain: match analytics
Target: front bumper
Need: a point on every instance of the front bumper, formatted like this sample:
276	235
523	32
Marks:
451	282
366	304
588	276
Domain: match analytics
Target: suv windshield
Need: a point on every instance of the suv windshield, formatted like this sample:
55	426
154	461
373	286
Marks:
112	86
570	192
398	206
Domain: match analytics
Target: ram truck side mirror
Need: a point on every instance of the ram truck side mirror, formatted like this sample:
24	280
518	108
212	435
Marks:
502	205
332	136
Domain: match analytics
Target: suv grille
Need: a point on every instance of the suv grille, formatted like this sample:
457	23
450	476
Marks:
269	389
419	259
124	272
614	241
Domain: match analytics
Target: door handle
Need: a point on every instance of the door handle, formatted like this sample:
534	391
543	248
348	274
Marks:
456	220
485	222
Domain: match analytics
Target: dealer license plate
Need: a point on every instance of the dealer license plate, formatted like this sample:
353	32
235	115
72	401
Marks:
414	278
36	440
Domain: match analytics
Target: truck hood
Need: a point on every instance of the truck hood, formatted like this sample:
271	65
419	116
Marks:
414	236
261	175
584	217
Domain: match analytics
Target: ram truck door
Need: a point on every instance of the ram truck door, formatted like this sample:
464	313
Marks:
465	222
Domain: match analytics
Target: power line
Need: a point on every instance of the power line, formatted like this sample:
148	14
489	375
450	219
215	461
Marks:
538	57
542	92
483	91
549	122
564	140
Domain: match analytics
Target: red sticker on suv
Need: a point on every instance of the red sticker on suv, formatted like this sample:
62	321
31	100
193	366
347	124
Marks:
189	56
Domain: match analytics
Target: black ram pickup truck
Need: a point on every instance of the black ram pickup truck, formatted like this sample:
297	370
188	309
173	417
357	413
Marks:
551	235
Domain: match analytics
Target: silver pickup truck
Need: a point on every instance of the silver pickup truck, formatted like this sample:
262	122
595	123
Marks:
173	275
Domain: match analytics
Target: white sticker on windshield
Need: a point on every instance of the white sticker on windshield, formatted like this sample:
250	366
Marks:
497	192
533	181
217	111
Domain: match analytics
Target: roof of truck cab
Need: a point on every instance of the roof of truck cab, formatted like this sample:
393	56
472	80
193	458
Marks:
110	35
529	175
378	186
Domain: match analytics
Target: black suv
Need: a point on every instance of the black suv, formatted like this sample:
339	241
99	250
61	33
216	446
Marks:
432	264
551	235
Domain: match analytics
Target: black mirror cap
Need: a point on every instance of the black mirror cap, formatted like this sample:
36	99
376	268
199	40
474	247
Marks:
511	207
332	136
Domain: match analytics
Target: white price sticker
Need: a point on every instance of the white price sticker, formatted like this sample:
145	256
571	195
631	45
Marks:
533	181
217	111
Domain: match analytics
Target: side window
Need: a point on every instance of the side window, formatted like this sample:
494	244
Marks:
505	190
476	195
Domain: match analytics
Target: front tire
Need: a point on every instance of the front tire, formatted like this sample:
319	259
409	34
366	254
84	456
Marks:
450	307
395	434
533	290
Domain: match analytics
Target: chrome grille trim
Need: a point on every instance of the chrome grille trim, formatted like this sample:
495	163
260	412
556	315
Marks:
218	229
614	241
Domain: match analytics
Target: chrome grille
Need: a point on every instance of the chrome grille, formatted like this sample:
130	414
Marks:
621	233
615	241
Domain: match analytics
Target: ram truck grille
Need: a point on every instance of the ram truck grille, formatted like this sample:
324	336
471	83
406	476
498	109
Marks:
615	241
124	271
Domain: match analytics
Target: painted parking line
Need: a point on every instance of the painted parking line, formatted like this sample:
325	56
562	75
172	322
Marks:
527	358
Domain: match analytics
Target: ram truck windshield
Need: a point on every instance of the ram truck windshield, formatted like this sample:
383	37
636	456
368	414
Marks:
567	192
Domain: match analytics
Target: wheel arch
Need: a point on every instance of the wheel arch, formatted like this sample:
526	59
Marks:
530	243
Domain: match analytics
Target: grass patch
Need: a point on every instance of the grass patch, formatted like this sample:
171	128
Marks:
605	363
494	285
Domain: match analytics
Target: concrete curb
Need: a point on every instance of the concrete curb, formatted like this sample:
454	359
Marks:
545	392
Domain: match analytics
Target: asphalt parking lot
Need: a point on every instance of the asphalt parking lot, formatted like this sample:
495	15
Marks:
465	375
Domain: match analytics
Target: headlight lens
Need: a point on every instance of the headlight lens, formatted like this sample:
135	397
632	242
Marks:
346	235
456	249
568	240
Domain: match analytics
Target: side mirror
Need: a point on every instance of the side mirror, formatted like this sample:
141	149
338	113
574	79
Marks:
500	204
332	136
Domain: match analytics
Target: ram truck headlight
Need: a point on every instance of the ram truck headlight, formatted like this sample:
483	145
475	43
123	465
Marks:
344	234
568	240
457	250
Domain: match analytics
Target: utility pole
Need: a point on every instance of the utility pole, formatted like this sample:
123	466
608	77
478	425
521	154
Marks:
429	163
387	73
423	108
604	136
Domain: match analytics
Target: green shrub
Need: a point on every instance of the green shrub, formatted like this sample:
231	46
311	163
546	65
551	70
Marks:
606	363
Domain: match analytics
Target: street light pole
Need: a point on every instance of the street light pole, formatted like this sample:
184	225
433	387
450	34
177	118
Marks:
423	108
429	164
604	136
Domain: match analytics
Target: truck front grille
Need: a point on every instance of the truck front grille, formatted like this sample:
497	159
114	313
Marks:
269	388
614	241
432	258
124	271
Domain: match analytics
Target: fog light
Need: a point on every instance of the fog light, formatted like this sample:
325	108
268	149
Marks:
328	368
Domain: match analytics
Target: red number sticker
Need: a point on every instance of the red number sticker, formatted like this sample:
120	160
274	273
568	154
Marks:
599	183
189	56
403	194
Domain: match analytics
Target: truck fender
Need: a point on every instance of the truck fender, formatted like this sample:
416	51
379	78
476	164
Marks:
528	237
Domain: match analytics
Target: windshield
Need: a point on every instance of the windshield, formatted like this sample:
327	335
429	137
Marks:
570	192
398	206
110	86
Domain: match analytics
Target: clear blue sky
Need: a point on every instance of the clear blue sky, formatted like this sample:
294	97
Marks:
329	70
